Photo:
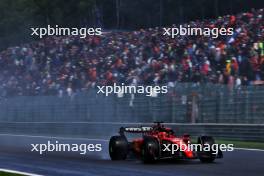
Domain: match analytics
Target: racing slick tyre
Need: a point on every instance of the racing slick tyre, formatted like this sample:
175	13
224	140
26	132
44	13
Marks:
206	156
150	150
118	148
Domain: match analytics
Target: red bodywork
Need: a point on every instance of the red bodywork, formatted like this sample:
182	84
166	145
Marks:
162	135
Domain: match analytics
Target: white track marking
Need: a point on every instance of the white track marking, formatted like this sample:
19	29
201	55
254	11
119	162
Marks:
249	149
18	172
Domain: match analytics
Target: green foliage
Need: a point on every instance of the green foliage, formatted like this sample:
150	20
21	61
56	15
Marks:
17	16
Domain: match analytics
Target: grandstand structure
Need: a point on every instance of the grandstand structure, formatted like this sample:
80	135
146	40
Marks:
63	65
210	80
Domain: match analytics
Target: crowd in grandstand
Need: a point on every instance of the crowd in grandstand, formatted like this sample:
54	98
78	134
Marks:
64	65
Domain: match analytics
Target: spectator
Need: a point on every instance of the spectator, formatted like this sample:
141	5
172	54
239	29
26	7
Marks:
65	65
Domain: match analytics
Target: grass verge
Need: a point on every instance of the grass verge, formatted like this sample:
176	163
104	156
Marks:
242	144
237	144
9	174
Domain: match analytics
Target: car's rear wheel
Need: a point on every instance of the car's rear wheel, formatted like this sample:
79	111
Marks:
150	150
209	155
118	148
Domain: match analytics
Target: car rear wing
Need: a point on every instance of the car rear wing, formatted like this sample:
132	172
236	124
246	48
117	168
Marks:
122	130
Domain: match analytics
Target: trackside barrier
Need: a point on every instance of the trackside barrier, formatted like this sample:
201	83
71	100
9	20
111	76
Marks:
184	103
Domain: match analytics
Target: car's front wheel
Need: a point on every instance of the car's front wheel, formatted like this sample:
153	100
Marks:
150	150
207	156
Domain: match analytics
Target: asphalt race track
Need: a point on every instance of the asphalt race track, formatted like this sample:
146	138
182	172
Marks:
238	162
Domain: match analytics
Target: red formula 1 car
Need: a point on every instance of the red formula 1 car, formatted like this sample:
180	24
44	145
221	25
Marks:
159	142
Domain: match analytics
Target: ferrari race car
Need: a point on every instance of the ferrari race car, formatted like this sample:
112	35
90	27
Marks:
158	142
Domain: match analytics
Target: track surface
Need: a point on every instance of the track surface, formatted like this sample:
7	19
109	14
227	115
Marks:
236	163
